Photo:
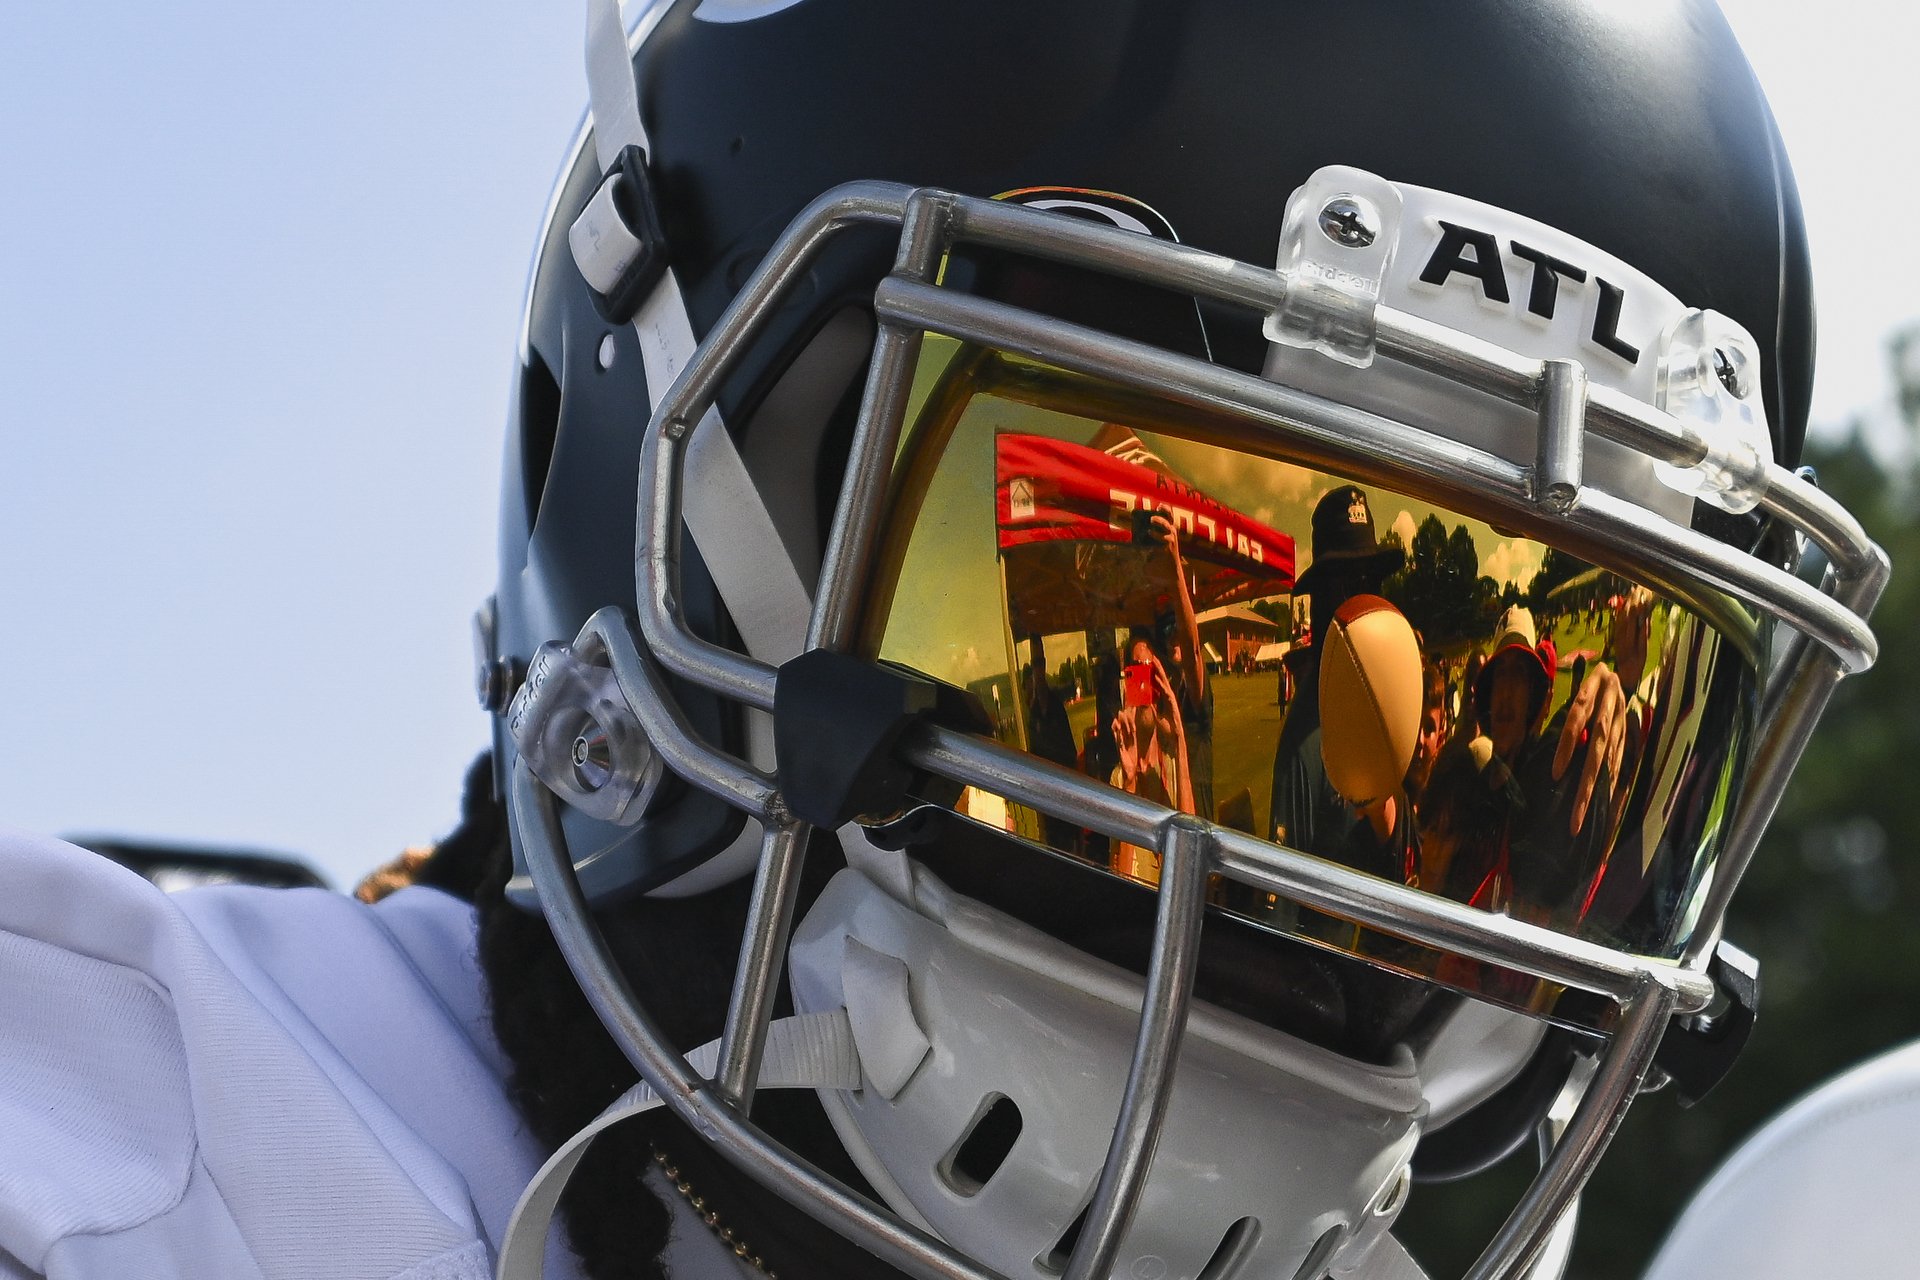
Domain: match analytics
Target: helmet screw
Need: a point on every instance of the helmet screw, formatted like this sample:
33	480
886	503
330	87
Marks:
592	759
496	681
490	684
1730	374
1348	221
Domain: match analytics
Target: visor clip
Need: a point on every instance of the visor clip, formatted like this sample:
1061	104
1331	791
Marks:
837	720
1697	1051
617	240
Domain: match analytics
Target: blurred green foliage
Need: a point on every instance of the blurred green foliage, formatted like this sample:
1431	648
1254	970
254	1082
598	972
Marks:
1831	906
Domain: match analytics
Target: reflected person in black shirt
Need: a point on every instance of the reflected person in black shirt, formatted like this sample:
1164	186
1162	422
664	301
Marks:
1050	735
1308	814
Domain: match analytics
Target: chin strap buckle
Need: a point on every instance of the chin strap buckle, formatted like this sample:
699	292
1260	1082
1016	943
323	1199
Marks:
1698	1051
617	240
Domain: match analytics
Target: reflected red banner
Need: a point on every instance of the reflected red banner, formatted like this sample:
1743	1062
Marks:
1048	490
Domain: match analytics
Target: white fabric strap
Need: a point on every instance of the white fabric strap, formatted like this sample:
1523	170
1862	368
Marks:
610	87
737	539
811	1051
721	505
723	509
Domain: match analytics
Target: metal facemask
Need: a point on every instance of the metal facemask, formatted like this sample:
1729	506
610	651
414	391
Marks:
1071	580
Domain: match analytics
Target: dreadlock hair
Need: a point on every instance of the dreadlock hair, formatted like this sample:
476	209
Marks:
680	954
467	858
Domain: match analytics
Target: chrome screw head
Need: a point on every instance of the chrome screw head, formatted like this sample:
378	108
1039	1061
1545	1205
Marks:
1349	221
592	758
490	683
1732	376
496	681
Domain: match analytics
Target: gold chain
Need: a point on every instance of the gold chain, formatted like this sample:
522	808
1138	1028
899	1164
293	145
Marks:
698	1204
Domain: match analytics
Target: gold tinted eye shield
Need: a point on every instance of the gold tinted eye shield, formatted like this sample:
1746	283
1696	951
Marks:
1497	722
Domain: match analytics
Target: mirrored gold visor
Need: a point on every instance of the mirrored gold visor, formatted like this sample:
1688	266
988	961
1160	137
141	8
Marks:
1358	672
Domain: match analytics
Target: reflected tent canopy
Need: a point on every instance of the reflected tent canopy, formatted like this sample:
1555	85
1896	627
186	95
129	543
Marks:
1056	502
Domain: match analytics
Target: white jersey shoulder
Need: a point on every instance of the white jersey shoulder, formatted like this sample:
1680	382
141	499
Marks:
245	1082
1823	1189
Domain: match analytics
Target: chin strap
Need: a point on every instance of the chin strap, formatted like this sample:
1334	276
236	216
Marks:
811	1051
617	244
722	507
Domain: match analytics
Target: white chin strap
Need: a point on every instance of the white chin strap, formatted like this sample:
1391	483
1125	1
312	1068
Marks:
724	512
813	1051
723	508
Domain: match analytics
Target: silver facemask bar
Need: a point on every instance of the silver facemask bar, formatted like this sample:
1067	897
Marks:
1831	638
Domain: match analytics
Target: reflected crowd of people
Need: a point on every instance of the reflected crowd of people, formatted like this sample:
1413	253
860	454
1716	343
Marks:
1508	802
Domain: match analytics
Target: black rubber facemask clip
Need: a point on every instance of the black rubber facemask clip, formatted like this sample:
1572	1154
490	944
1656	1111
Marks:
836	721
1698	1051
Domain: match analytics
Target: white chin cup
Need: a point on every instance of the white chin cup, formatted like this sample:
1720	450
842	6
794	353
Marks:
956	1006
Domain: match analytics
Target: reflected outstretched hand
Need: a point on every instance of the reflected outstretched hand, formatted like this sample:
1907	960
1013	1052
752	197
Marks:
1597	720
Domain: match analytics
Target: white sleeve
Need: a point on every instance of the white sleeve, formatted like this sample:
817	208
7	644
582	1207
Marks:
11	1268
157	1122
1825	1189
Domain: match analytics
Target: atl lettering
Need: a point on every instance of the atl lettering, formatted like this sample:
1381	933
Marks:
1477	254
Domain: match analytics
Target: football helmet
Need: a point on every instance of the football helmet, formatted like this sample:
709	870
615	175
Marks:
1267	531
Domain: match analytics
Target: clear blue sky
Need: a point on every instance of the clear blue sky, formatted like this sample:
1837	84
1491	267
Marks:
260	276
260	272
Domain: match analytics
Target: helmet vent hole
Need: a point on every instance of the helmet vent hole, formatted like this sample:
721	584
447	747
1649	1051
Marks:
1057	1257
539	425
1394	1194
1321	1255
1230	1255
984	1147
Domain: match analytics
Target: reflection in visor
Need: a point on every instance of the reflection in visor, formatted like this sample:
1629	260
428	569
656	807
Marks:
1359	674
